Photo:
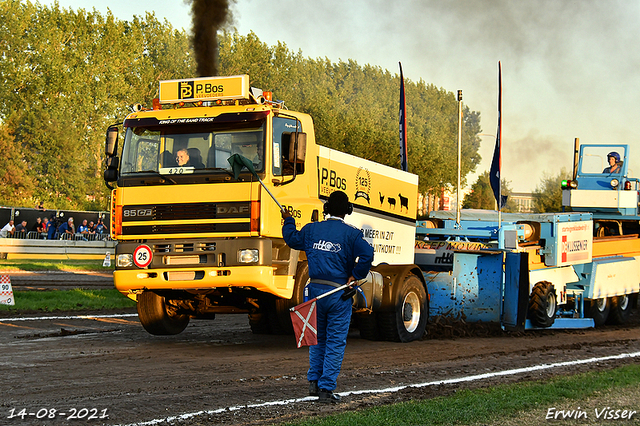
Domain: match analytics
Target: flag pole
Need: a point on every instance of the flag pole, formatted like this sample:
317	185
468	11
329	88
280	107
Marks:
458	204
500	143
404	165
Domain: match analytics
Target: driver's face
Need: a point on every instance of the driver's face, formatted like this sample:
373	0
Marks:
182	158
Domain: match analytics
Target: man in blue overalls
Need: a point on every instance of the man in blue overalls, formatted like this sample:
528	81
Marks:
332	248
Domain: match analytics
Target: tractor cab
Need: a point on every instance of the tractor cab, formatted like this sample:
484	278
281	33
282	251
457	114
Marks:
601	183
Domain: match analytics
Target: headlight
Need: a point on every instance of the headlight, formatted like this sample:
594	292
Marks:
248	255
614	183
124	260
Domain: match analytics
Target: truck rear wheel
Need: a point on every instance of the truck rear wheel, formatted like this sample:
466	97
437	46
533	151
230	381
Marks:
620	309
368	325
408	321
598	309
156	318
543	304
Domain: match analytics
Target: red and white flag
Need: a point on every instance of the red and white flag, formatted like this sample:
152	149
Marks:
303	318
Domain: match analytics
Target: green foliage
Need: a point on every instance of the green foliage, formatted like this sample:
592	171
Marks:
355	108
547	197
68	300
53	265
481	195
70	74
494	405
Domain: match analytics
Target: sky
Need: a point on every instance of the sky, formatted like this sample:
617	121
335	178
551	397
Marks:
570	68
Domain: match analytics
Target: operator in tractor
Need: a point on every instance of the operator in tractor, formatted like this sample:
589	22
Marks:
332	248
614	163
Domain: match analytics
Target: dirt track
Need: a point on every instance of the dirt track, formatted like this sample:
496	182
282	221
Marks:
112	364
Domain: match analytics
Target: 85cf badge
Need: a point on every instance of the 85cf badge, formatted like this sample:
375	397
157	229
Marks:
363	184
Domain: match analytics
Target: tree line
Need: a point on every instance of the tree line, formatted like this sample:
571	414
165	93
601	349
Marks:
69	74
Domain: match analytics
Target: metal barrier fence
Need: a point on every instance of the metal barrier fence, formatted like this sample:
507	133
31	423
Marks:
32	235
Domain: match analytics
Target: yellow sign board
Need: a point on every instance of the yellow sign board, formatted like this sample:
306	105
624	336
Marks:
204	89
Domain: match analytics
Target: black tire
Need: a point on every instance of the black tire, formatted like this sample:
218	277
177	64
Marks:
620	309
282	306
156	318
598	309
543	304
408	321
368	325
259	323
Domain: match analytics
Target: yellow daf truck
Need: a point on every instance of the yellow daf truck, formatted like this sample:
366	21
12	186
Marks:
194	241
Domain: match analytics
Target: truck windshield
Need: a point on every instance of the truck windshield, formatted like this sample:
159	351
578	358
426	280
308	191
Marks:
191	149
595	159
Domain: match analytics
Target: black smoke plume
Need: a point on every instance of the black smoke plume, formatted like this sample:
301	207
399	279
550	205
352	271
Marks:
208	17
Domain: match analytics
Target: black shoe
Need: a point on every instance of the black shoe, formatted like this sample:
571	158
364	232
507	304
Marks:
313	387
327	397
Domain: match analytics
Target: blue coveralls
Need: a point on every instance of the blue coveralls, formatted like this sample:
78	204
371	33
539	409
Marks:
332	248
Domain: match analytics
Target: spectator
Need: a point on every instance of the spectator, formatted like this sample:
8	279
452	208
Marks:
44	228
7	230
100	228
66	228
92	228
40	206
22	227
83	228
52	227
37	226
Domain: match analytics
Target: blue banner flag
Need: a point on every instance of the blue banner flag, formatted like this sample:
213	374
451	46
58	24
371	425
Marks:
496	164
403	125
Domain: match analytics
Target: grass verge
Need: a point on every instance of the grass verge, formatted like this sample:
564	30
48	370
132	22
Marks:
527	403
68	300
53	265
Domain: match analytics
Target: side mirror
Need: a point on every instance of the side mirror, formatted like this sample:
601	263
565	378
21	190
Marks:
297	147
111	143
110	175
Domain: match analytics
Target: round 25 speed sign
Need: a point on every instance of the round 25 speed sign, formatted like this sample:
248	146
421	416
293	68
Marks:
142	256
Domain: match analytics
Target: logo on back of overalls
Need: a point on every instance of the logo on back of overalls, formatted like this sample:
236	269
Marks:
327	246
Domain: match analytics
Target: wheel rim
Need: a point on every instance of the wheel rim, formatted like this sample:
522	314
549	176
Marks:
551	306
411	312
601	304
623	302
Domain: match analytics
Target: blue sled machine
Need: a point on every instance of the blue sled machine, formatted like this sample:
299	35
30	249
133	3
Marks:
574	269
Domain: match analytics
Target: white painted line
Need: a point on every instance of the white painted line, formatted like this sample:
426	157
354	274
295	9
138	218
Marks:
394	389
67	317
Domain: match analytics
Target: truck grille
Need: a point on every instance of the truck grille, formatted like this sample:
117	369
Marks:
185	212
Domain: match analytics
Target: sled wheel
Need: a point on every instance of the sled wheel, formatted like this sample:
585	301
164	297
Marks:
408	321
599	310
543	304
620	309
157	318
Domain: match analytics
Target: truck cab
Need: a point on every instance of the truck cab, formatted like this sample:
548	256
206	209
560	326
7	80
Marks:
196	239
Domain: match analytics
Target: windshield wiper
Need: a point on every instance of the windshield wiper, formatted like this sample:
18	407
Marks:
219	168
163	177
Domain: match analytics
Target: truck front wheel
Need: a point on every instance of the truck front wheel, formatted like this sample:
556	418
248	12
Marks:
156	318
408	321
543	304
